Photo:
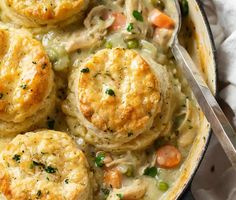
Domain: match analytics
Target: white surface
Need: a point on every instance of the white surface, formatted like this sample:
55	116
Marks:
216	179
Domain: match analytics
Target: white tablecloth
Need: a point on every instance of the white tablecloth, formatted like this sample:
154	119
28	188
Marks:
216	179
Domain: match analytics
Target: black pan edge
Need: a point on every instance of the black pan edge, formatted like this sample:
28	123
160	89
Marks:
187	187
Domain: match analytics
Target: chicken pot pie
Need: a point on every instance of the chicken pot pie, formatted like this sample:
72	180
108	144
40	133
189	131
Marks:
26	81
35	13
118	92
44	165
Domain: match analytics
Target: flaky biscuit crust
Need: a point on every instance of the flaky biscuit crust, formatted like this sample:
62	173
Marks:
46	165
26	79
47	11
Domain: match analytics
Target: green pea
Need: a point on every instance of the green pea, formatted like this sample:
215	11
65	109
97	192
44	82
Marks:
163	186
133	44
158	4
108	45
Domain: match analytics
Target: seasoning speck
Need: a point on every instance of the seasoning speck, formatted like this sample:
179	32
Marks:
110	92
16	157
85	70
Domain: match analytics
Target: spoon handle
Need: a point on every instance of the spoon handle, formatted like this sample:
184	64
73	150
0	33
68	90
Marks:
214	114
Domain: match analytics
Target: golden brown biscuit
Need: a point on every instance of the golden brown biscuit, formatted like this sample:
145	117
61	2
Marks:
114	98
32	13
26	81
44	165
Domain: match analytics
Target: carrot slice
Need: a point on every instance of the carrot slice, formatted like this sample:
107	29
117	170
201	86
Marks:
161	20
120	21
113	178
168	156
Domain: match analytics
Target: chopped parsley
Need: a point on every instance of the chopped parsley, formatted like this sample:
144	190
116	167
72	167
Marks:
85	70
150	171
105	191
110	92
138	15
23	86
1	95
39	193
50	123
99	159
120	196
184	7
34	163
50	170
16	157
130	27
130	134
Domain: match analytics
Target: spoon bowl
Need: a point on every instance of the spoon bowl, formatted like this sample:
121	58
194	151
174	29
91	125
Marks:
214	114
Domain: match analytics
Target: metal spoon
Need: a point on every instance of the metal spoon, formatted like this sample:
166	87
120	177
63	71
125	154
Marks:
214	114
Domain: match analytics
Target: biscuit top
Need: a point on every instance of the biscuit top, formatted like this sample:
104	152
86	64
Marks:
44	11
26	77
118	92
44	165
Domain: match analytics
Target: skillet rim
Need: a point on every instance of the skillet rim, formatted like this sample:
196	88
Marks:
186	190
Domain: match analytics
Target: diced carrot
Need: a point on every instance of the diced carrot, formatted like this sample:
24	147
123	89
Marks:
113	178
160	19
120	21
168	156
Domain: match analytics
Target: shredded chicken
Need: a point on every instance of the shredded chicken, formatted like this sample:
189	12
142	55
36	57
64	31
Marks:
135	191
96	29
140	28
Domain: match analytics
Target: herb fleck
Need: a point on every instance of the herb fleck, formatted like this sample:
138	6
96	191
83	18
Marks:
184	7
23	86
105	191
67	181
39	193
16	157
130	134
138	15
110	92
50	123
34	163
99	159
150	171
50	170
120	196
85	70
130	27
